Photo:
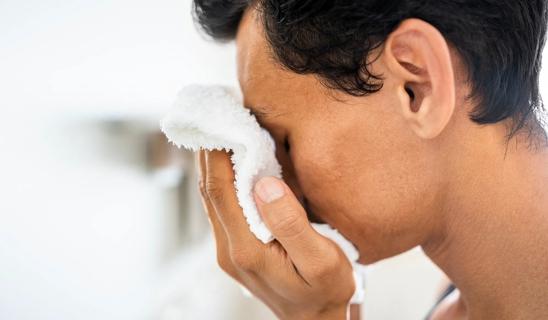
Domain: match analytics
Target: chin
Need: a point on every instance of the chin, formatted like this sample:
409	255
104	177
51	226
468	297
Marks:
369	256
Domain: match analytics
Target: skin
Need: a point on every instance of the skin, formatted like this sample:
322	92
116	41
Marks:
391	172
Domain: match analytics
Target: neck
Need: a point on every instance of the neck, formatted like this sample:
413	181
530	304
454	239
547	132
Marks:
495	228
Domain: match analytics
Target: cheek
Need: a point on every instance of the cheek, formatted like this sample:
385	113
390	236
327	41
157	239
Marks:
398	197
325	166
373	183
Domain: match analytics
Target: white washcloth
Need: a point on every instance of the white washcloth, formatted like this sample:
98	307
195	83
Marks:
213	117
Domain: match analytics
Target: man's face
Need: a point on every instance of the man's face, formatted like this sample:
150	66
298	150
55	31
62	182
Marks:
353	160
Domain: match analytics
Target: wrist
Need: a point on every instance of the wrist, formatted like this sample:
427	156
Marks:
340	313
335	313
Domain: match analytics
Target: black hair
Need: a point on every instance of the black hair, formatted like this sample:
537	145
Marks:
499	41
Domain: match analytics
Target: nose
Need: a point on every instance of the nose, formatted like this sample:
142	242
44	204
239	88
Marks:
290	178
295	188
312	217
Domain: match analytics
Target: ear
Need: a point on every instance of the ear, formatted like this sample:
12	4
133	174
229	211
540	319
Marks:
417	56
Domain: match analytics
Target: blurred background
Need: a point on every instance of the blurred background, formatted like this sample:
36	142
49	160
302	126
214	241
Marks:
100	217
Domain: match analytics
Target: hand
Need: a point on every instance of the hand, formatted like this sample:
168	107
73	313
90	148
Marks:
301	274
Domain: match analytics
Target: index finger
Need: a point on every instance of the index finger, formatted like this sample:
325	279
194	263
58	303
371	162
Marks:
222	193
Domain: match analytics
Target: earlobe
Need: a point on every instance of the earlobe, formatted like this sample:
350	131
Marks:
418	58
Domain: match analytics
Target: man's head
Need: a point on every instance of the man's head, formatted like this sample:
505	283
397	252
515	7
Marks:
373	103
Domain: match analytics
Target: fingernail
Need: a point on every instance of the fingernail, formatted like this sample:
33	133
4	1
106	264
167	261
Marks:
269	189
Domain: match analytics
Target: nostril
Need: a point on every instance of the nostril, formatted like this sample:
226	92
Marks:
286	145
312	217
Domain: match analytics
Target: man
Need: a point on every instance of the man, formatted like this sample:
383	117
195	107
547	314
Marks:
401	124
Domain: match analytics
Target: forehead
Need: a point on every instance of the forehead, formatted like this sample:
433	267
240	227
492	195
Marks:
265	84
254	64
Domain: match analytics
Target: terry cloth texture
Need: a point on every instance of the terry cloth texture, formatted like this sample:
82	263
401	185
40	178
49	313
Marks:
213	118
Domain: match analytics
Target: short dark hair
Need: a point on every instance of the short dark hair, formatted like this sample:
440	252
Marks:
500	42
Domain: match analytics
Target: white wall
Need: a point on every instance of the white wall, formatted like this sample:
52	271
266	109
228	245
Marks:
83	224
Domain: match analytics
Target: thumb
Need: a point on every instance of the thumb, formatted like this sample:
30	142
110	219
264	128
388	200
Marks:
287	220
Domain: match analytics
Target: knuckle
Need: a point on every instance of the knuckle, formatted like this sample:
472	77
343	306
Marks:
202	188
245	260
224	263
213	188
290	226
